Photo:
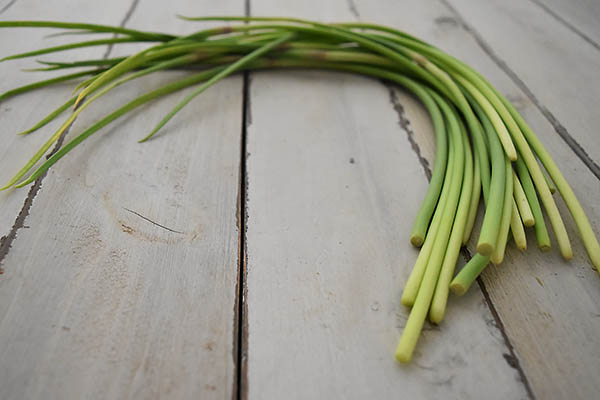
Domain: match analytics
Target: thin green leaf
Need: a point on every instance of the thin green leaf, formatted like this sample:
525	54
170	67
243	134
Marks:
90	43
88	27
63	128
50	116
170	88
227	71
44	83
54	65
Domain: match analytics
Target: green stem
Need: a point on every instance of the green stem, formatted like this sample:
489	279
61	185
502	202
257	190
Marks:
87	27
36	157
516	226
474	206
507	212
493	116
428	206
541	233
71	46
522	202
494	201
44	83
170	88
583	224
227	71
411	288
417	316
50	117
468	274
440	297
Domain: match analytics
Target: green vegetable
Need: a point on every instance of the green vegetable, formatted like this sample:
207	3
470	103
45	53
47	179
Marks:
483	144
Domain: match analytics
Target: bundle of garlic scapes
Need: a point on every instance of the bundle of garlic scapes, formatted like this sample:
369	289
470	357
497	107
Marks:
484	146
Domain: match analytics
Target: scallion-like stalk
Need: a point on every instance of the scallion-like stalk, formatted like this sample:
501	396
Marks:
484	146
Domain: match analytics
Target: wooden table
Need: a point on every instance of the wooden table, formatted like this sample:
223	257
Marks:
257	247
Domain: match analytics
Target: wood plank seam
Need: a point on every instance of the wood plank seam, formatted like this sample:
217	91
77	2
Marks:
566	23
124	21
240	328
6	7
353	9
556	124
240	331
7	241
511	358
405	125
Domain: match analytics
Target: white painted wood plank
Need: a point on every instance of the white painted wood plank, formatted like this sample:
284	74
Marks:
549	307
98	302
333	186
581	15
20	113
557	65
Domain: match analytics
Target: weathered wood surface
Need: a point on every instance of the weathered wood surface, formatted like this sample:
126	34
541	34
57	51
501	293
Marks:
330	202
20	113
548	307
561	71
333	185
99	301
581	16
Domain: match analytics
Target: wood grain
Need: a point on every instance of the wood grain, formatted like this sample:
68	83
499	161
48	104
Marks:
122	283
22	112
581	16
548	306
333	185
125	284
561	67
